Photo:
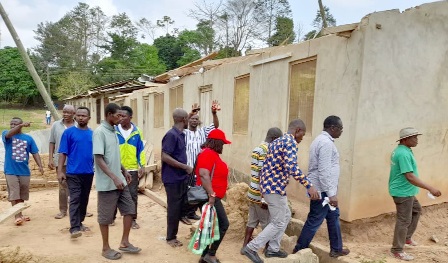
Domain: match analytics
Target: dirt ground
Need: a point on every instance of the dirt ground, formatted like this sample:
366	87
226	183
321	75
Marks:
45	239
369	240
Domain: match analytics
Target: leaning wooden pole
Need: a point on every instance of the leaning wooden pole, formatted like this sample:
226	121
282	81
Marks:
40	86
322	14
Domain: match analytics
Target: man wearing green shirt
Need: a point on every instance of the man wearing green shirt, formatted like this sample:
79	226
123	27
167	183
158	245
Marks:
403	187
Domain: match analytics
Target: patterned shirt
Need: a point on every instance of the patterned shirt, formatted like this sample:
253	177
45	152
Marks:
323	170
280	164
194	140
257	160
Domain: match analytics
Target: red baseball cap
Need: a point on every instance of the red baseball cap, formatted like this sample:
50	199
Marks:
218	135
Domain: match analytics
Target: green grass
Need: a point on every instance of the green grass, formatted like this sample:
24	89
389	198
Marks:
35	116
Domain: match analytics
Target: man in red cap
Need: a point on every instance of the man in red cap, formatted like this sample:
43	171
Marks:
403	187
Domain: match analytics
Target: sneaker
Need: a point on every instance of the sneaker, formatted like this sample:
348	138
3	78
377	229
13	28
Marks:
411	242
403	256
76	234
252	255
60	215
278	254
343	252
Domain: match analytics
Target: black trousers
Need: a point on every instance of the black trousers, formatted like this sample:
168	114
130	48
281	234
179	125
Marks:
223	223
79	190
176	195
133	189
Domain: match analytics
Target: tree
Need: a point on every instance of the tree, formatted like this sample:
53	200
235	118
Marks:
318	23
243	26
165	23
268	12
73	83
17	85
146	28
284	32
122	37
202	39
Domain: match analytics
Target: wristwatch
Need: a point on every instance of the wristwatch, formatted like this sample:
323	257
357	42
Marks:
212	194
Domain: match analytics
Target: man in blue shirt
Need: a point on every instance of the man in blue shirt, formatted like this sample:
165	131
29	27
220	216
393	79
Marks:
175	172
76	146
18	146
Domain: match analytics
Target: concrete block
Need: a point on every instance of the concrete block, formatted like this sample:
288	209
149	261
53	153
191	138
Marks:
303	256
294	227
287	243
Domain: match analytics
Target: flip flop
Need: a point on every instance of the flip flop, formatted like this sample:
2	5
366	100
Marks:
26	218
130	249
111	254
84	228
135	225
174	243
18	221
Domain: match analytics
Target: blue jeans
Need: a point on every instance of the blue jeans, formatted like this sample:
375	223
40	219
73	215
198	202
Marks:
315	218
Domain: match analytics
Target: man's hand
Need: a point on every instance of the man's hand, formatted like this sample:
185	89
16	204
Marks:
41	170
333	201
128	176
118	183
211	200
195	108
51	165
435	192
264	206
189	169
215	106
26	124
313	193
141	171
61	176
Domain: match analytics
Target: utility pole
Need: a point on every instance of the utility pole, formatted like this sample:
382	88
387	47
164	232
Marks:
40	86
48	80
322	14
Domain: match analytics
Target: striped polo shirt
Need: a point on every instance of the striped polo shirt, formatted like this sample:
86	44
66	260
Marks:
194	140
256	163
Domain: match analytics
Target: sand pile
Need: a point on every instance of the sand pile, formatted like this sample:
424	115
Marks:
237	210
16	255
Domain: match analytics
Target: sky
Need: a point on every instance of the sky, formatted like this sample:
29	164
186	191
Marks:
26	14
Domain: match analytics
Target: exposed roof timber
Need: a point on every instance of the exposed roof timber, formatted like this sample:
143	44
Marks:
166	76
271	59
343	30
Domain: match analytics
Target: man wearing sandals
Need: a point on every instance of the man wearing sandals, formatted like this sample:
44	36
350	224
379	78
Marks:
18	146
112	181
76	147
403	187
175	173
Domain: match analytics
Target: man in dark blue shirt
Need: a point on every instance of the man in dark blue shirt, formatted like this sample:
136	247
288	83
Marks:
174	174
76	145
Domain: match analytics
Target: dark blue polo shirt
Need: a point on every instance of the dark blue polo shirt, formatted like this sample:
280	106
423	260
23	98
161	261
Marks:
173	144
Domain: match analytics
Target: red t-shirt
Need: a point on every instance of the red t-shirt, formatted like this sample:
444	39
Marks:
206	159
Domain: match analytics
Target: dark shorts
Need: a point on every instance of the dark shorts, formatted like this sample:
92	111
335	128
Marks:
108	201
18	187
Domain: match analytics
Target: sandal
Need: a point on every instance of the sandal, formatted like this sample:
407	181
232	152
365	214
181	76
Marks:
130	249
18	221
26	218
135	225
111	254
174	243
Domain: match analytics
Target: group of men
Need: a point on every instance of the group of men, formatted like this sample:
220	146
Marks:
115	151
275	160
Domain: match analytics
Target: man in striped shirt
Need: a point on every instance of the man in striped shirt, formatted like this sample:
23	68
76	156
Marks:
194	137
258	209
